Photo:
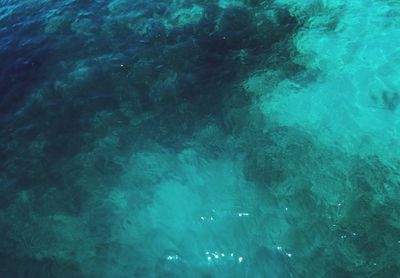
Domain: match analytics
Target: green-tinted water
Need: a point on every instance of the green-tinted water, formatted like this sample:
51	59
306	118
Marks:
199	138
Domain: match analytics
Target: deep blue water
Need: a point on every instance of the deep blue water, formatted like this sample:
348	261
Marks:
199	138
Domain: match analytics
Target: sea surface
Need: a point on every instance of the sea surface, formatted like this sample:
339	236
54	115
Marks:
199	138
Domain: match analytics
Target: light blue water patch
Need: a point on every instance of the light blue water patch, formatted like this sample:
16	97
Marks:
354	100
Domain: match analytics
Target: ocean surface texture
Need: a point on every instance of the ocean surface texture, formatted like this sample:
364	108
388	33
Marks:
199	138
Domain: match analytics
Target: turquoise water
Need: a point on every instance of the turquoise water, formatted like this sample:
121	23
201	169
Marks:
218	138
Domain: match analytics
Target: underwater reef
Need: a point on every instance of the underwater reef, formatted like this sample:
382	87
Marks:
219	138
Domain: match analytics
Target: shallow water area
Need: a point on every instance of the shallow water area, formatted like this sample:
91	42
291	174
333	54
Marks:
199	138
